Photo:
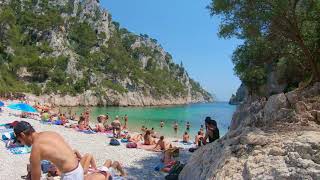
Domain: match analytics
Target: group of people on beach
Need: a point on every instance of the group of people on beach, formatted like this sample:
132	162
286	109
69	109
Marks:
69	164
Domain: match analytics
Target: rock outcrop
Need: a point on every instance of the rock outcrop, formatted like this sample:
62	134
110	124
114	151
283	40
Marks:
274	138
240	96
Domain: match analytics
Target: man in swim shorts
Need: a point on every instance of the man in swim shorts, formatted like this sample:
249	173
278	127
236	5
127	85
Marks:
48	146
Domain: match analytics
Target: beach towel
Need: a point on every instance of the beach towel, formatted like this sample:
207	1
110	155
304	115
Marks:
10	144
110	135
46	122
20	150
141	145
5	130
124	140
87	131
186	143
7	135
58	122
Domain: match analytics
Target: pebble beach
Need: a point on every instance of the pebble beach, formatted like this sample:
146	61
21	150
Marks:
138	163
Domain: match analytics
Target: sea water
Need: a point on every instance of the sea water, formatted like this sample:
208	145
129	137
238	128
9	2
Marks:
152	116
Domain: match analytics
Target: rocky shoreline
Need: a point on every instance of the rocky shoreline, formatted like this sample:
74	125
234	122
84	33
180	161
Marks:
129	99
274	138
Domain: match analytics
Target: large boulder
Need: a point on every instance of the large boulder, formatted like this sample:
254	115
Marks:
273	105
286	144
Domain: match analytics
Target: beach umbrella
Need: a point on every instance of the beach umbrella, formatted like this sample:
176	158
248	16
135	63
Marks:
22	107
1	103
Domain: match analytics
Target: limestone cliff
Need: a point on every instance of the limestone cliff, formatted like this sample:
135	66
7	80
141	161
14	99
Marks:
240	96
71	52
274	138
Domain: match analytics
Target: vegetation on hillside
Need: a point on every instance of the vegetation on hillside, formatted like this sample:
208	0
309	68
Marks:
278	35
27	63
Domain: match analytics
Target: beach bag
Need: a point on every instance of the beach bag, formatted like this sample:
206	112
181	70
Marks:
132	145
176	153
175	171
114	142
45	166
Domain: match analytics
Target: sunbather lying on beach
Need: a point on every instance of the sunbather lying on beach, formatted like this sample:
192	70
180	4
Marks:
135	138
109	168
91	171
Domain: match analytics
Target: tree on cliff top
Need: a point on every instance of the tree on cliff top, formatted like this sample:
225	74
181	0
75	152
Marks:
295	23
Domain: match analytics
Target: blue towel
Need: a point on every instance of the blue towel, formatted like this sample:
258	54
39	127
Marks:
87	131
186	143
58	122
5	130
159	166
7	135
20	150
124	140
46	122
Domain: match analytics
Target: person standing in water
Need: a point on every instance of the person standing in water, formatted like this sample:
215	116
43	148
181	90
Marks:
188	126
175	127
201	130
161	124
125	122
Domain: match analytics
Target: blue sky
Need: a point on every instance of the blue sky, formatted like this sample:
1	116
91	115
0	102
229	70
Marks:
185	29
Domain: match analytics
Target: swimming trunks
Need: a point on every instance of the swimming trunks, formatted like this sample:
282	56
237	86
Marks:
75	174
109	170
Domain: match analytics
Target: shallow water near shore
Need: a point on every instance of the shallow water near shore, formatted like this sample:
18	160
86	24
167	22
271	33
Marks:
151	116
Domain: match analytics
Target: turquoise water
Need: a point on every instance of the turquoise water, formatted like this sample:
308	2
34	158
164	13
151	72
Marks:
151	116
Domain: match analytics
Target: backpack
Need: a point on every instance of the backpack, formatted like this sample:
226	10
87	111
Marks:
114	142
132	145
45	166
175	171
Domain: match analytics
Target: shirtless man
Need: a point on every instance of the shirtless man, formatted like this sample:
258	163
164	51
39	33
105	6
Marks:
48	146
162	144
198	139
125	122
185	137
116	127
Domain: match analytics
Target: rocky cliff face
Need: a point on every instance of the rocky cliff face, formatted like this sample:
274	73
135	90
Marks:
79	56
241	95
274	138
